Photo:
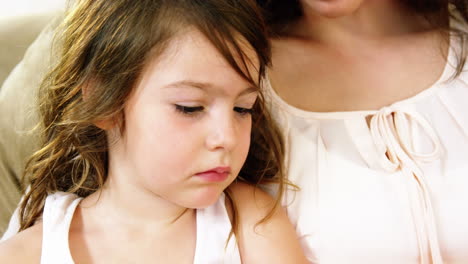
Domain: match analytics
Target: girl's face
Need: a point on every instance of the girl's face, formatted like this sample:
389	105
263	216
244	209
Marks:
332	8
187	124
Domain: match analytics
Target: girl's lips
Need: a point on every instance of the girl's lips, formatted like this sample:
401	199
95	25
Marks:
218	174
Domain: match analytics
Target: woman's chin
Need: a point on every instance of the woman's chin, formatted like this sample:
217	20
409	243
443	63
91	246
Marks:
333	8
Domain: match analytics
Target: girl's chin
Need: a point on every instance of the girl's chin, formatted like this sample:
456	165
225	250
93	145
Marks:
204	198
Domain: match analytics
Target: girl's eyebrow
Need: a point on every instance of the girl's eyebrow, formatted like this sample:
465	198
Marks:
205	86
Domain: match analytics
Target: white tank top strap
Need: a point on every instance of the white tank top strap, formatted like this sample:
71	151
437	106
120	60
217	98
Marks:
213	228
56	219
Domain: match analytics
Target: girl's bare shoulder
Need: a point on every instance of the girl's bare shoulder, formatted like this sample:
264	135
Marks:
258	237
25	247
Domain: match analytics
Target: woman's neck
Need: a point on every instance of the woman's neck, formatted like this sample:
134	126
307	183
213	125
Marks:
372	20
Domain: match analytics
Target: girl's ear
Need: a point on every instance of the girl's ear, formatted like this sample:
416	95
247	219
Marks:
86	91
107	124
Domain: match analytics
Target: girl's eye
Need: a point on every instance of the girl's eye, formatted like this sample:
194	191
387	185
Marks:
189	110
243	111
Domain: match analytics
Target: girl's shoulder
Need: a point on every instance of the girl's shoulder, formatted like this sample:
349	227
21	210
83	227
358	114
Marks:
243	194
24	247
263	228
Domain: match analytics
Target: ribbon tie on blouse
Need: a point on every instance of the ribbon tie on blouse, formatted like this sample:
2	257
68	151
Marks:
391	131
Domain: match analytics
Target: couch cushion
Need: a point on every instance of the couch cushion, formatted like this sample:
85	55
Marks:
18	116
16	35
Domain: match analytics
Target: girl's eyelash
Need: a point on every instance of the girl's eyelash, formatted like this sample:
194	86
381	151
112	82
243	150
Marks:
189	109
243	111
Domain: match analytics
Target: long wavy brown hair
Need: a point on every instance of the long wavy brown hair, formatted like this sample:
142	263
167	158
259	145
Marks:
280	14
108	43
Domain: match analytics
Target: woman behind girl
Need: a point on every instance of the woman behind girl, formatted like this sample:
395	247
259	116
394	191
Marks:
147	121
372	97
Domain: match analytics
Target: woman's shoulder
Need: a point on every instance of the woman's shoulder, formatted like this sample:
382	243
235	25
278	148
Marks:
24	247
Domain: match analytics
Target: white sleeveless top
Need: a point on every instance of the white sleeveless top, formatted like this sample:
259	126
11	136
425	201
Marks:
395	191
213	228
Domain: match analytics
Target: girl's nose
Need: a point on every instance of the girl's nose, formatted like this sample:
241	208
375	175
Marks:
222	133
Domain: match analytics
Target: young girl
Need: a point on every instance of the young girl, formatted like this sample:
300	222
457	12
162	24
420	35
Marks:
372	97
147	121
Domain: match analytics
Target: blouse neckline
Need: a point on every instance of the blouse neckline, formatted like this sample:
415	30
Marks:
447	72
